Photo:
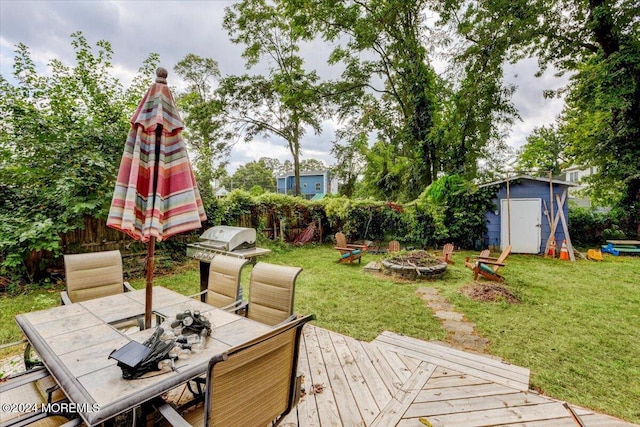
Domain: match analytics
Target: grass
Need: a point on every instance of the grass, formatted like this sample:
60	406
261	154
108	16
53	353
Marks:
577	328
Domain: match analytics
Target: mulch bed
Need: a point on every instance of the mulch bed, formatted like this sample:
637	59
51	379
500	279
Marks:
489	292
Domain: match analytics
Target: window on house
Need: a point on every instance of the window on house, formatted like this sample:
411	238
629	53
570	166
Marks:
573	176
317	186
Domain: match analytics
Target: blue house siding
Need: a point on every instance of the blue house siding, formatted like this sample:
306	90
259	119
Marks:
525	188
311	183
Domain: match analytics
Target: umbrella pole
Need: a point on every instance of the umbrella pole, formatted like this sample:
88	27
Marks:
151	247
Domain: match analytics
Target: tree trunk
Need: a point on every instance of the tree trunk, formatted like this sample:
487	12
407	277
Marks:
294	146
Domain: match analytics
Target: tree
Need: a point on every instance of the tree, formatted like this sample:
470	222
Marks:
312	165
598	42
205	130
388	83
287	99
350	158
61	139
274	165
543	152
252	174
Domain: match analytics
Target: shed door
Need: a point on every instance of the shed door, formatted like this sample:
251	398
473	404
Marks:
525	225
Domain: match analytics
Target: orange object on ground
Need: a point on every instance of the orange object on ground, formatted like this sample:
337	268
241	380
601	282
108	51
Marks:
552	248
564	252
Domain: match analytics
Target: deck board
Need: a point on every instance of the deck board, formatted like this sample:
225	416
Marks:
365	401
397	380
480	366
345	400
393	412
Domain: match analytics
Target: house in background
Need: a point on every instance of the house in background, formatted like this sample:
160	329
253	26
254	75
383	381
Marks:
575	175
314	184
522	219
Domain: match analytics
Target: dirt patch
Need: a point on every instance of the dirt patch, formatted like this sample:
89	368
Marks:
490	292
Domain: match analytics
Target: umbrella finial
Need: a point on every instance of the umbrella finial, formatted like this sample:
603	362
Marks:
161	74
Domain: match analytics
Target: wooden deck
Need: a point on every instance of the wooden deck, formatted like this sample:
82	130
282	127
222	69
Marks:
400	381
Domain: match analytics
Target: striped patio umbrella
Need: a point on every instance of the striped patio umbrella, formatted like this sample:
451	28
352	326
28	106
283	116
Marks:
156	195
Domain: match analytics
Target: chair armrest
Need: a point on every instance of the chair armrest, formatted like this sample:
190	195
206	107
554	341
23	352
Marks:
127	287
287	320
198	294
345	249
74	422
238	306
65	298
490	258
235	306
21	378
485	261
169	414
354	246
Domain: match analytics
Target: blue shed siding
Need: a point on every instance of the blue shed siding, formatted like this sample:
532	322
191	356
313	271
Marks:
526	189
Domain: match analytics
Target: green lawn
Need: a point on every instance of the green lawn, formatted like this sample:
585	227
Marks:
577	328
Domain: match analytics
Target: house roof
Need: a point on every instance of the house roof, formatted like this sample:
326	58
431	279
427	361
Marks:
305	173
530	178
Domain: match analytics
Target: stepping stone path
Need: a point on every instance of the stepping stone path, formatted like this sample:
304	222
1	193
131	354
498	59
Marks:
461	333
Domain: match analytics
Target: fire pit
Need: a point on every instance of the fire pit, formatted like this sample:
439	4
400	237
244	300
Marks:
414	265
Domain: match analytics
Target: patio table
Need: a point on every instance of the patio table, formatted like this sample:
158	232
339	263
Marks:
74	342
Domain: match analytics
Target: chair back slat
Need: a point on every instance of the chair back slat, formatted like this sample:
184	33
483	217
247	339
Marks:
341	239
93	275
271	292
224	280
447	250
254	384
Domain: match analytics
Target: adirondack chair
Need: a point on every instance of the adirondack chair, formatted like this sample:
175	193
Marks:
469	262
488	267
447	253
394	246
348	252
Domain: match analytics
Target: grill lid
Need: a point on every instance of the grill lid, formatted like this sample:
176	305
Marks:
228	237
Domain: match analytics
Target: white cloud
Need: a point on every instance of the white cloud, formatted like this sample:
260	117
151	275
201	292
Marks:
175	28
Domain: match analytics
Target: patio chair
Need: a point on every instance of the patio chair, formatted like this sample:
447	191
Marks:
271	293
255	384
447	253
348	252
94	275
223	289
29	390
488	267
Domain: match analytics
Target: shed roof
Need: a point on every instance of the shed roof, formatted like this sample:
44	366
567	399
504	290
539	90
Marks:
530	178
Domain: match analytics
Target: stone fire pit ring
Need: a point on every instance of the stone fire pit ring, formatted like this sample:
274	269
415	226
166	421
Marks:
414	265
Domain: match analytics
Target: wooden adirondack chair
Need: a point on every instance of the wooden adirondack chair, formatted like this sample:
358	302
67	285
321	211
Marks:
348	252
469	261
447	253
488	267
394	246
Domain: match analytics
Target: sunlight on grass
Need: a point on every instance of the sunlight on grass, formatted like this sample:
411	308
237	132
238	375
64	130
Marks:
577	326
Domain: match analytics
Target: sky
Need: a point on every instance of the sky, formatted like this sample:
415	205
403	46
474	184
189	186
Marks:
173	29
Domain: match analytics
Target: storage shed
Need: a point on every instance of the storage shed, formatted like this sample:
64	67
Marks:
522	215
